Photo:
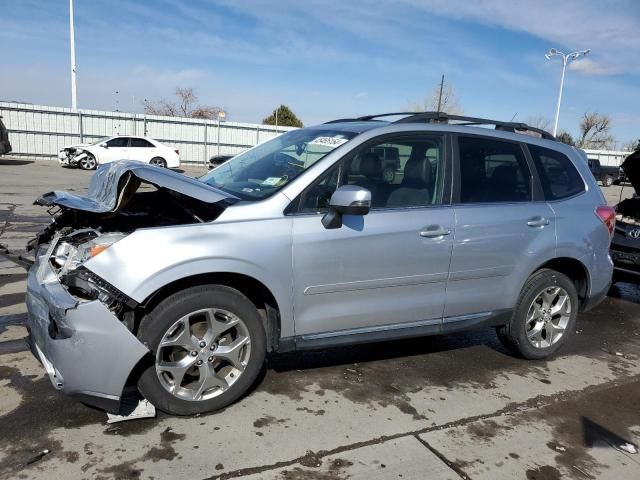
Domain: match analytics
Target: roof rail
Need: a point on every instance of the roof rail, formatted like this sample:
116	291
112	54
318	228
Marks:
442	117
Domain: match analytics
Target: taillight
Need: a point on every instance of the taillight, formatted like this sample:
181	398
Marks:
608	216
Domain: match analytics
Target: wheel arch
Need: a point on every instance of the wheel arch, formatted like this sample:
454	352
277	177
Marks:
256	291
575	270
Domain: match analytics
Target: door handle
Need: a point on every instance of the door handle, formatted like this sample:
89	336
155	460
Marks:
538	222
434	231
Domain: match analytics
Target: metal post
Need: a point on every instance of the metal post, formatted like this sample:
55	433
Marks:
205	144
144	123
257	134
218	135
74	100
80	127
440	96
564	67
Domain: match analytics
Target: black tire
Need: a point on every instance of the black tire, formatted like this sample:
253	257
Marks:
154	325
159	162
608	181
88	163
513	335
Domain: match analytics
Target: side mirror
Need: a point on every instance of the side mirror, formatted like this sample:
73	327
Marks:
346	200
104	145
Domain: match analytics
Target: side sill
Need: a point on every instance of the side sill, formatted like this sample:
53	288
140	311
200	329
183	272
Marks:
104	402
394	332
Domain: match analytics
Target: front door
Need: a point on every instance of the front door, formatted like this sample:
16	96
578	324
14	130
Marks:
117	149
384	270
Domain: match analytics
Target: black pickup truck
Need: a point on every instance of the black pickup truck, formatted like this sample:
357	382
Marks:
5	146
607	175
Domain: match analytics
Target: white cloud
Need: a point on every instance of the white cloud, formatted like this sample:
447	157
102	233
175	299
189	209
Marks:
608	28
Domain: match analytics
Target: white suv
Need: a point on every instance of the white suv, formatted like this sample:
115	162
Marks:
111	149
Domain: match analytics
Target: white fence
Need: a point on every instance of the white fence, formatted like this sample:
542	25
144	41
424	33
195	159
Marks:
41	131
611	158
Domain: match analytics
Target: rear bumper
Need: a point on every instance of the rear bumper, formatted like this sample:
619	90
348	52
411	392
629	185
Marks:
86	351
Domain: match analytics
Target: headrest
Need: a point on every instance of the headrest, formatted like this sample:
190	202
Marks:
417	171
370	165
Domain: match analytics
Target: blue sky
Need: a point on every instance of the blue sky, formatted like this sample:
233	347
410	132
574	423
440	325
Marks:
329	59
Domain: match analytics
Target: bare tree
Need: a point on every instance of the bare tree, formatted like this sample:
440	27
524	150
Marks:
448	103
539	121
185	106
595	131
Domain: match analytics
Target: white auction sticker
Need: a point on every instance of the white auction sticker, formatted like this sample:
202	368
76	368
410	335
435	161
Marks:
328	141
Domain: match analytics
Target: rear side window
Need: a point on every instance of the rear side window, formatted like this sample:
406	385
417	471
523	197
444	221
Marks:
492	171
140	143
558	176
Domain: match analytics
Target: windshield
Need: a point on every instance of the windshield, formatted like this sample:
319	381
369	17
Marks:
98	142
267	168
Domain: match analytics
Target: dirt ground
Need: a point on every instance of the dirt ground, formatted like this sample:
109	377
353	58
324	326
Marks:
450	407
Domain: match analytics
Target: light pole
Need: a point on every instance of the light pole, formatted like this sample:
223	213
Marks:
566	58
72	42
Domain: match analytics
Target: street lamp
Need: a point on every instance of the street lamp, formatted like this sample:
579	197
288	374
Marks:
566	58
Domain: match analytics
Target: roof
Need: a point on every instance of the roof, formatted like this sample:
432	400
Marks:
373	121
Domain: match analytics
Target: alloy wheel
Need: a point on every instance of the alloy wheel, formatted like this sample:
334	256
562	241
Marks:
203	354
548	317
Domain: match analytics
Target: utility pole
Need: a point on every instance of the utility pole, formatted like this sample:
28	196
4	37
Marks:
440	96
74	94
277	108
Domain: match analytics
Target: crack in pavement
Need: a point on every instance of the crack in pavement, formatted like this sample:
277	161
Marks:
443	458
10	213
537	402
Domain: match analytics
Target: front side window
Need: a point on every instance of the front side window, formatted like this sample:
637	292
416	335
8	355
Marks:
558	176
265	169
400	173
492	171
118	142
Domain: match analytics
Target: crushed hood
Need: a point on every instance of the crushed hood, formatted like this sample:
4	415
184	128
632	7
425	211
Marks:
115	183
631	168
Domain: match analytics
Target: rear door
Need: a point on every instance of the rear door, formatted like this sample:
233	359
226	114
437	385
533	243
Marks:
141	150
503	226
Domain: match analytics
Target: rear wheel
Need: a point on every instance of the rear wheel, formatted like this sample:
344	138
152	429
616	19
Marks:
88	162
208	346
544	317
159	162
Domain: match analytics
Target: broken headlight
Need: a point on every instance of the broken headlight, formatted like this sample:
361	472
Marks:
77	248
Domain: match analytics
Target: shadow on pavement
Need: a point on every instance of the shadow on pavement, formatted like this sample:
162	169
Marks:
15	162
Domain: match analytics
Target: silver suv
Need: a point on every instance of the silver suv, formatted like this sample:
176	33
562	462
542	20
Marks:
182	287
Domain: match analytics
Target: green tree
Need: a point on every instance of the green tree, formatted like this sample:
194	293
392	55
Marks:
565	137
283	116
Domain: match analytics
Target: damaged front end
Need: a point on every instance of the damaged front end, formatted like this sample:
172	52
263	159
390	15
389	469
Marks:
70	155
625	245
82	328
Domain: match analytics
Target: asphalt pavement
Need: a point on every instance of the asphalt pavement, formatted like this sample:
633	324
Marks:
443	407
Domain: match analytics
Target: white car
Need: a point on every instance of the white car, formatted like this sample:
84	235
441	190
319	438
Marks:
111	149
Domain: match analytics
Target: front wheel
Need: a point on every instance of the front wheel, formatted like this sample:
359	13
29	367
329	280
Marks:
608	181
208	345
88	162
544	317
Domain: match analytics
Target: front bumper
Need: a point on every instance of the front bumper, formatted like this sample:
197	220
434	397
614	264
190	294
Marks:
86	351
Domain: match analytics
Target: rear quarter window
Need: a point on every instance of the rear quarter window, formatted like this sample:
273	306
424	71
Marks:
558	175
